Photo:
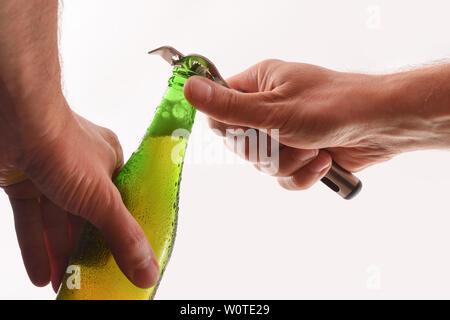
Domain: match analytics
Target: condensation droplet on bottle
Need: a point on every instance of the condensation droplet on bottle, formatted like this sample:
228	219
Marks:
166	114
178	111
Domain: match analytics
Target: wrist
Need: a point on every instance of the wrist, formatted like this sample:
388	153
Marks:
26	81
34	119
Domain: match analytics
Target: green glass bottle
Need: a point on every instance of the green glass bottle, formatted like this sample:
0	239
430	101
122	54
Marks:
149	184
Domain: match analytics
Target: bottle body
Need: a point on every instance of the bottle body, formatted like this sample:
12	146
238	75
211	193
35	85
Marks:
149	185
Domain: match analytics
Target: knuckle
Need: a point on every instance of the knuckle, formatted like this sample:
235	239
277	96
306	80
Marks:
111	136
230	101
136	244
135	241
327	156
112	139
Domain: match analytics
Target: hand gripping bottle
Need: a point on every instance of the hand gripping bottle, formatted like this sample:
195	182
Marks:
149	184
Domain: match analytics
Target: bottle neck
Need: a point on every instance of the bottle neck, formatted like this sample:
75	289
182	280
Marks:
174	112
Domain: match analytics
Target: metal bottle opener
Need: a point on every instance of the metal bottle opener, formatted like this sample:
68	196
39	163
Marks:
337	179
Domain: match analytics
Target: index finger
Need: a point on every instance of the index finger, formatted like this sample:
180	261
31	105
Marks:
246	81
257	78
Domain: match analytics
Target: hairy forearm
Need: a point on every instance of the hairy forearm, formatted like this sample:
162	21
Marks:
411	110
427	95
32	106
29	60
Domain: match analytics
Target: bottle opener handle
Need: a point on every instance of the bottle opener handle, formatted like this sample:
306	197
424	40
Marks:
344	183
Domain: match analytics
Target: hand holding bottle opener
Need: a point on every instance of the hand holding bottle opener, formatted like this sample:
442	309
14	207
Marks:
337	179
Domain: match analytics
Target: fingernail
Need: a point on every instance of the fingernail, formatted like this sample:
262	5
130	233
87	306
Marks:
288	183
200	90
320	165
146	274
305	155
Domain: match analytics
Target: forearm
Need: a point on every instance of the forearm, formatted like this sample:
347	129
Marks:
426	94
29	60
30	78
411	110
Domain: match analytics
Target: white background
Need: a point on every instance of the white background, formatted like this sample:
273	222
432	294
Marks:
240	235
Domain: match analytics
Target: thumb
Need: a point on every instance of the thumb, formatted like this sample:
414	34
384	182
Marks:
257	110
124	236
